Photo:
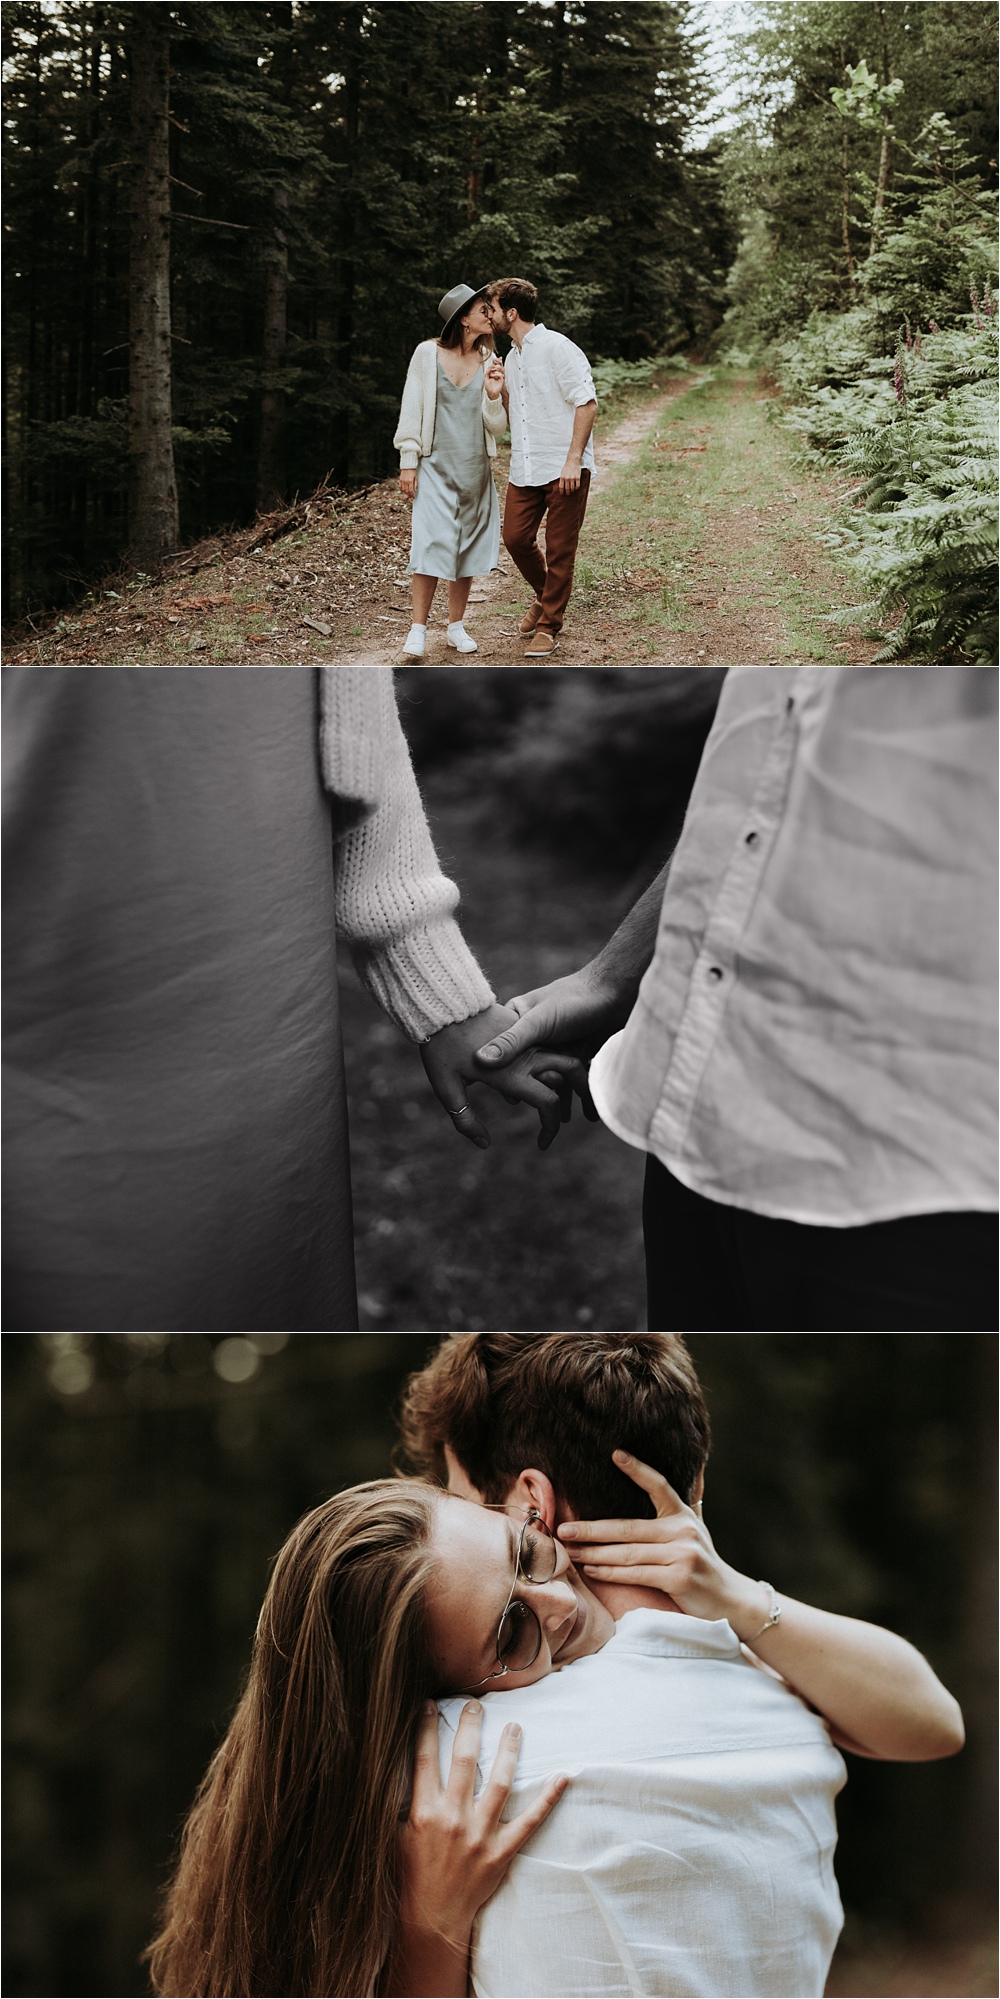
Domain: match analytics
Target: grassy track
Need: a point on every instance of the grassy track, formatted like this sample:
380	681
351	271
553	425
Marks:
699	547
703	548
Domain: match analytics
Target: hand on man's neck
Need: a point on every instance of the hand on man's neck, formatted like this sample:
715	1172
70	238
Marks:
618	1598
533	1489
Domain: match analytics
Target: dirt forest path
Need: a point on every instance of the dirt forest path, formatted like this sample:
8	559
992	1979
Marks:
700	547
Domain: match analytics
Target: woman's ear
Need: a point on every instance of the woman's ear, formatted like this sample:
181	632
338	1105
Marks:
533	1492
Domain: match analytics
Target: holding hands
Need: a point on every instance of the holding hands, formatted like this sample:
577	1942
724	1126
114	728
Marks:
546	1078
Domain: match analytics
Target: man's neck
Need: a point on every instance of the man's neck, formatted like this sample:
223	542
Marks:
619	1598
520	330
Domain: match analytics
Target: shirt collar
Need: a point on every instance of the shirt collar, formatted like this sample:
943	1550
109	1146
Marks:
539	327
668	1634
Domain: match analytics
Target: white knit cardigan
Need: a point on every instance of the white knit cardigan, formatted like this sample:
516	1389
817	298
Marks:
392	903
414	437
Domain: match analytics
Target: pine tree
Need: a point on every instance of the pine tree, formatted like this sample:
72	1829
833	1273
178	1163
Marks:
153	517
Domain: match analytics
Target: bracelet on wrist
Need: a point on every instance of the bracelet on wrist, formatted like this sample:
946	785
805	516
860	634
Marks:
774	1611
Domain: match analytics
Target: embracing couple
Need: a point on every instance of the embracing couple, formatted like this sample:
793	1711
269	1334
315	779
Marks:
457	400
514	1726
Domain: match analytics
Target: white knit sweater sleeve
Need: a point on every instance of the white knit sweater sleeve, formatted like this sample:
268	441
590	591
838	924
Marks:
408	440
392	903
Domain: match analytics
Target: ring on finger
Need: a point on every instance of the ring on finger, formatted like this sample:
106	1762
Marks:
460	1111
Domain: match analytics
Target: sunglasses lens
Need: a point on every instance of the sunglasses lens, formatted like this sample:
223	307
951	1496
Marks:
520	1638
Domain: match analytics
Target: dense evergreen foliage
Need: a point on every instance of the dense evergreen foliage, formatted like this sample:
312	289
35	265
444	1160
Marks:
866	177
333	169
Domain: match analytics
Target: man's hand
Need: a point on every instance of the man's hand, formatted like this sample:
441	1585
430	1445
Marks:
569	477
581	1009
543	1077
408	482
495	378
673	1553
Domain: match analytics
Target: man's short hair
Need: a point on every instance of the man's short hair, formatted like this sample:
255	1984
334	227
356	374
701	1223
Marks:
561	1403
510	292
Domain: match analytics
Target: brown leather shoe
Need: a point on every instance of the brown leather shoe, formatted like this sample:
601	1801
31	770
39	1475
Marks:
541	644
530	618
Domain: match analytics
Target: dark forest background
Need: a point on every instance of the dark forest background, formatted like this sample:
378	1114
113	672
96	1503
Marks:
152	1477
228	225
333	170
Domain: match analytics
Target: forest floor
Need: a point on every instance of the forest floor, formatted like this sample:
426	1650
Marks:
700	547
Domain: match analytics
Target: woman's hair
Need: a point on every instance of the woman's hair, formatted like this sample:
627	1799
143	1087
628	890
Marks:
561	1403
286	1880
452	335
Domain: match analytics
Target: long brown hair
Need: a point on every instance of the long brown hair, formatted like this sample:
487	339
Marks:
286	1880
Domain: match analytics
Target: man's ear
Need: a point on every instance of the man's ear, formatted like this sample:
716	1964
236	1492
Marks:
534	1492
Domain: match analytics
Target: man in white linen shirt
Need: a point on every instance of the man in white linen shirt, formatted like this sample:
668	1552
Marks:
798	1018
692	1853
551	404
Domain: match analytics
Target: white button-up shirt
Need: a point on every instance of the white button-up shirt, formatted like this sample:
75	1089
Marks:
546	384
692	1853
815	1037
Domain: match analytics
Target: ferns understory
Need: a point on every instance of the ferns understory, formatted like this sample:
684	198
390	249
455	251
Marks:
897	390
919	429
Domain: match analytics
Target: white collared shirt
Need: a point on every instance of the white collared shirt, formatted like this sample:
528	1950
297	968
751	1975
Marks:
815	1037
546	384
692	1853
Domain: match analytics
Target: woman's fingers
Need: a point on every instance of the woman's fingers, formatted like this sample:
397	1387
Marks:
619	1555
667	1502
661	1492
636	1578
497	1791
426	1764
520	1829
465	1754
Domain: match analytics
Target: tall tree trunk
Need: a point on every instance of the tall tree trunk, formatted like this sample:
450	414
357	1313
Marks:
153	524
272	469
845	193
343	343
885	154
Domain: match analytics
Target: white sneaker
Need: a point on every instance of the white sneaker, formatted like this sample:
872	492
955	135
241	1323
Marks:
459	640
415	643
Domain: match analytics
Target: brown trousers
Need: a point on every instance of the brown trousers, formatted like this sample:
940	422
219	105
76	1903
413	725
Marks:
551	574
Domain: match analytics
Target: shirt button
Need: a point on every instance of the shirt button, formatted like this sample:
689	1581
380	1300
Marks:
715	972
752	839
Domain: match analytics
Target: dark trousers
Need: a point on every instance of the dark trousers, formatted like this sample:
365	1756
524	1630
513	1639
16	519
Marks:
551	574
712	1268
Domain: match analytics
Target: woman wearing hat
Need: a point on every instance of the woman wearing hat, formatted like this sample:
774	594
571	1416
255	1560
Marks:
451	416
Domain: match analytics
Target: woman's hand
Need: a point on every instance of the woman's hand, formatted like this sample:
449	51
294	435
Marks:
545	1078
454	1852
879	1697
673	1553
408	482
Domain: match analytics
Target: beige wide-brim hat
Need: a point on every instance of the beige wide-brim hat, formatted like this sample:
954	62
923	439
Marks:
456	301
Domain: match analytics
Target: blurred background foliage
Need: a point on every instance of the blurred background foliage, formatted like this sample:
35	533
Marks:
151	1478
